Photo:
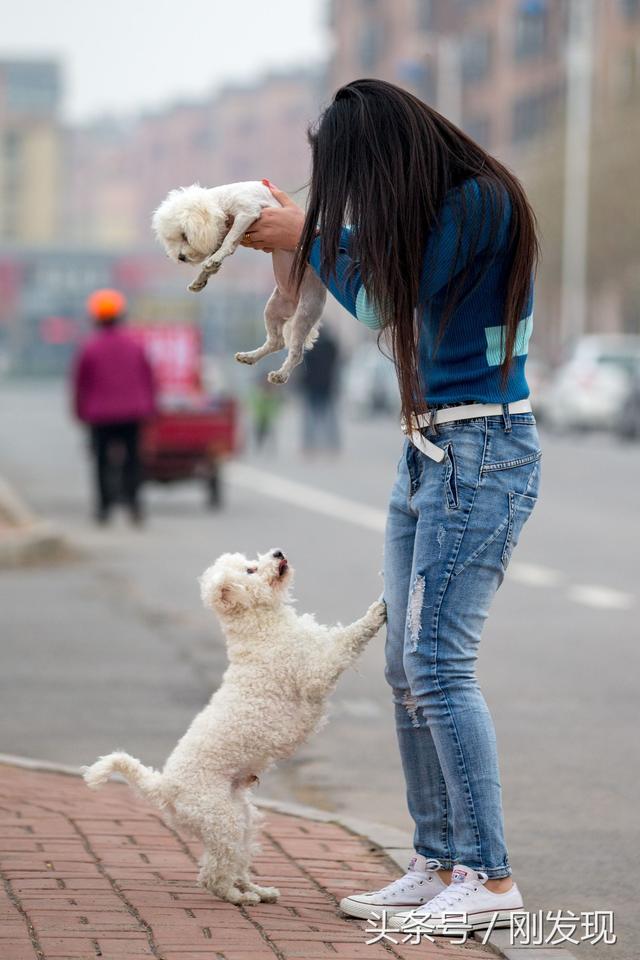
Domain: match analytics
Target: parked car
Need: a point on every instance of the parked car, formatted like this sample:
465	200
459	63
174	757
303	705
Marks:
628	425
590	390
370	383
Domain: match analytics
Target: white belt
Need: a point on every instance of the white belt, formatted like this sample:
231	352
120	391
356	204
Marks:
465	411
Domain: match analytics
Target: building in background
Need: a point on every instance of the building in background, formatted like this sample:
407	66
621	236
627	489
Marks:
118	172
495	67
100	186
30	151
498	69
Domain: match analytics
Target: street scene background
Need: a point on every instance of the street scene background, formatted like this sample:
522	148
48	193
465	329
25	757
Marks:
103	639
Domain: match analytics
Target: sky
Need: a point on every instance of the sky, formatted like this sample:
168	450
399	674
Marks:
120	56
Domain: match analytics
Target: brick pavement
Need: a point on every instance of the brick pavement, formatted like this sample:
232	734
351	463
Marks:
99	875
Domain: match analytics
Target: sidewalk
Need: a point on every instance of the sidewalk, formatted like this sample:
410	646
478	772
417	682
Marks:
99	875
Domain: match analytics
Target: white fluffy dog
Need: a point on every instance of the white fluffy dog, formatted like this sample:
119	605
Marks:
200	225
282	667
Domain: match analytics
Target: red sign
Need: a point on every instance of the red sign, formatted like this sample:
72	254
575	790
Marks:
174	352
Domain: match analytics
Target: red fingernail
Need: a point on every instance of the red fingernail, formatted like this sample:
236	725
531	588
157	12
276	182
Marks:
267	183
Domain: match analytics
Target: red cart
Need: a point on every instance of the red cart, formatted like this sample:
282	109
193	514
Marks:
193	432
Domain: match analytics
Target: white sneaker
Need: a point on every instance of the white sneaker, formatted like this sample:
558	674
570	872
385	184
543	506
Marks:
465	904
419	884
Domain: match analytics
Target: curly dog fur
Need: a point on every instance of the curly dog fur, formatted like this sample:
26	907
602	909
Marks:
282	667
205	225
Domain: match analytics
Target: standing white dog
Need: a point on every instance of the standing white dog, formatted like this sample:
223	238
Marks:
200	225
282	667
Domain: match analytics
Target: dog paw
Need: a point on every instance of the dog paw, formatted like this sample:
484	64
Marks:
244	358
212	266
276	377
231	894
378	612
266	894
197	285
244	896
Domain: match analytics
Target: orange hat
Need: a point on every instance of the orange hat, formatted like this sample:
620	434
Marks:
105	305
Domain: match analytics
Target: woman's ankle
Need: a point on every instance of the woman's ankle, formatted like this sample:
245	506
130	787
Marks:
499	884
495	884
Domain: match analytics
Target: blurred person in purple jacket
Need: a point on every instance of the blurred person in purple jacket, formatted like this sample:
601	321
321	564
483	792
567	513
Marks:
113	393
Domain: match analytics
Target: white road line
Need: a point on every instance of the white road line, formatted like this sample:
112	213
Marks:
307	497
533	575
340	508
600	598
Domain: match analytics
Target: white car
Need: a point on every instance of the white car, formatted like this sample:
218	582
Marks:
590	389
370	382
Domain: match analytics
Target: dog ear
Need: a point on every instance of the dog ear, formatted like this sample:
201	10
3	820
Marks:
221	592
230	595
199	225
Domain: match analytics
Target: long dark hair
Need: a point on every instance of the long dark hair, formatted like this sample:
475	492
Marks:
383	161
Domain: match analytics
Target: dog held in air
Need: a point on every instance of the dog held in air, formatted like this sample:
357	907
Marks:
282	668
204	225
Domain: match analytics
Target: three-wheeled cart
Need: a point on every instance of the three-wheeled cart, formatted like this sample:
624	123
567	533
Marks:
193	432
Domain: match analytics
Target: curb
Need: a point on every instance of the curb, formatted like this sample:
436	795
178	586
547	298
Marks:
25	538
394	843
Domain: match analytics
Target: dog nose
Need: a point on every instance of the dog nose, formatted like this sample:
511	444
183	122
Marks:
278	554
182	258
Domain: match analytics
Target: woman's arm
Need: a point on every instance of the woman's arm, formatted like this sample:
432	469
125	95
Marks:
281	227
445	255
277	227
346	284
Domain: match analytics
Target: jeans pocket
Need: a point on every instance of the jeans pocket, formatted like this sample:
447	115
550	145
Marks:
450	478
504	500
520	508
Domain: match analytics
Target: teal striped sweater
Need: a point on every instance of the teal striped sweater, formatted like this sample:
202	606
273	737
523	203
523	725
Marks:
466	364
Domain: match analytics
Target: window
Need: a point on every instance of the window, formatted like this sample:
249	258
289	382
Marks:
630	9
32	87
533	114
476	54
424	14
479	129
371	44
531	29
12	162
626	73
419	76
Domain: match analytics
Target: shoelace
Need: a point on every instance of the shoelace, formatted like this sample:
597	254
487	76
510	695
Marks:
410	879
455	892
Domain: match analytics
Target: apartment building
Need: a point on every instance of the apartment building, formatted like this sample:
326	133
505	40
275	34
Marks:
30	151
495	67
117	172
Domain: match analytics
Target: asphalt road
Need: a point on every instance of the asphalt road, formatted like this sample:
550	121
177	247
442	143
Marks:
114	650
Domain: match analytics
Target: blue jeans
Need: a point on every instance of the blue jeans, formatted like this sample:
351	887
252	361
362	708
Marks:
451	530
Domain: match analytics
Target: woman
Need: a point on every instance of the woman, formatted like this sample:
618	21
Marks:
440	255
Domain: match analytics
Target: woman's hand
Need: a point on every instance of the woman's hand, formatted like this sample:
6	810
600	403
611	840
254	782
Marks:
277	228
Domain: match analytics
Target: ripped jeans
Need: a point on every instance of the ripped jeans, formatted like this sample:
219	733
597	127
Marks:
451	530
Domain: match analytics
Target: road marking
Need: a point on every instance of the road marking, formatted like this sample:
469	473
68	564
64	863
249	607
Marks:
340	508
307	497
600	598
533	575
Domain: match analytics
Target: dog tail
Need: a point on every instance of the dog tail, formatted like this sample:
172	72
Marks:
311	338
146	780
